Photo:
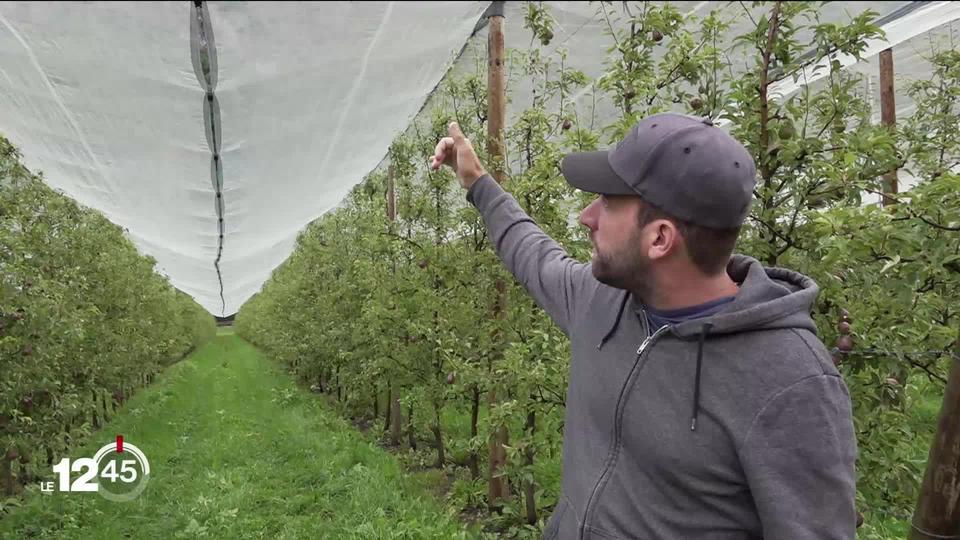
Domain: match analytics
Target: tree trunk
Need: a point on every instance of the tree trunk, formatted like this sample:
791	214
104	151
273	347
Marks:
528	489
498	486
389	409
376	402
764	165
410	431
395	419
938	508
339	395
474	462
438	435
7	476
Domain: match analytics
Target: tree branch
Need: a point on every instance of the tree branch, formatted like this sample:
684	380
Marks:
926	368
827	123
398	237
764	142
549	390
610	26
936	225
902	204
669	78
773	230
747	11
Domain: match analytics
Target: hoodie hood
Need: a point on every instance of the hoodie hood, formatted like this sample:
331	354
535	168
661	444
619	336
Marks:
769	298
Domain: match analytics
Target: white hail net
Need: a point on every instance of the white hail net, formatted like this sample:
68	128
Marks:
105	100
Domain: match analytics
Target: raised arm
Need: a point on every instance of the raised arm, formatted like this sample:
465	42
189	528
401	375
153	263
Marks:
559	284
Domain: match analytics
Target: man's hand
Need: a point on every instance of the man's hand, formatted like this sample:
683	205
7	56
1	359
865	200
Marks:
456	151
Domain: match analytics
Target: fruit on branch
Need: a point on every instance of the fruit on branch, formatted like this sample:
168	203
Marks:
787	131
546	37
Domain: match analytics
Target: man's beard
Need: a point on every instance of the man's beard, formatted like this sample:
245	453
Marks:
628	269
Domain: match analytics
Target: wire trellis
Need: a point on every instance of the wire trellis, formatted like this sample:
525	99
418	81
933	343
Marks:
892	353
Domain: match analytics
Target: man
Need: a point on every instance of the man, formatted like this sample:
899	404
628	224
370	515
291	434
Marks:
701	403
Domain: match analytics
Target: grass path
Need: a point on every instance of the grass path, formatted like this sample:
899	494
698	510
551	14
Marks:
237	450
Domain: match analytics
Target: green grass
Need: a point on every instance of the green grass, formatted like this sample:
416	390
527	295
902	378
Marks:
237	450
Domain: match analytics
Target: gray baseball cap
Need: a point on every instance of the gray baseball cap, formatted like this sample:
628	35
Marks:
682	164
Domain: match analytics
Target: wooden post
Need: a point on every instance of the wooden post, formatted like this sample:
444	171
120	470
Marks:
391	196
888	117
938	508
496	92
496	118
393	399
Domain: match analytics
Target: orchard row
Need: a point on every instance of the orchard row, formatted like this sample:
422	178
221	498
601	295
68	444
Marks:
402	311
84	322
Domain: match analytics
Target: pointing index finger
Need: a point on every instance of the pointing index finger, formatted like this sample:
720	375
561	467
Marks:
454	130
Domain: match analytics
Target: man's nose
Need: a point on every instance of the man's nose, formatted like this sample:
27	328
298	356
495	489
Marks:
588	215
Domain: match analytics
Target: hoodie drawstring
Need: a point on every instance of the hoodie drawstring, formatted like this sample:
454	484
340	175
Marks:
703	337
616	323
696	387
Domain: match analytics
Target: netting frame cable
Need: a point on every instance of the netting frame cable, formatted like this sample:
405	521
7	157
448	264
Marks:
203	52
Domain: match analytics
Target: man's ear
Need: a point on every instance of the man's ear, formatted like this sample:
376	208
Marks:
665	239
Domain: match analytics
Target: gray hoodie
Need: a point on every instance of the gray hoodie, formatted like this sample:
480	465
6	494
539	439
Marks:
734	426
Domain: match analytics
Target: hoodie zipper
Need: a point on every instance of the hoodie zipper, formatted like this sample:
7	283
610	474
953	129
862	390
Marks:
617	425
